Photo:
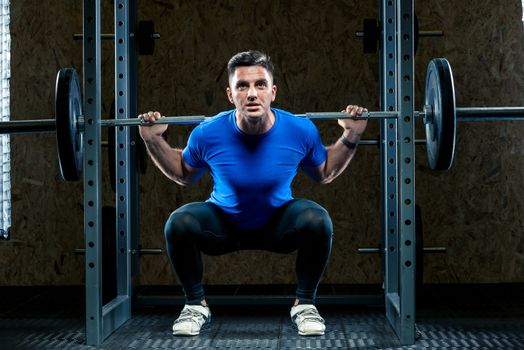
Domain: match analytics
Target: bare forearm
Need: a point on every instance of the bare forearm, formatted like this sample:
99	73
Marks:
168	160
339	156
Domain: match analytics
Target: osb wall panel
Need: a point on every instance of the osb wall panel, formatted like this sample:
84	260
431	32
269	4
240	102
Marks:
475	210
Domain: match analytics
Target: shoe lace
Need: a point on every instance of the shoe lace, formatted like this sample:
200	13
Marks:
310	314
190	315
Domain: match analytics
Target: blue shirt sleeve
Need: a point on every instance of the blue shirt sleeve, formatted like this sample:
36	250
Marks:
316	151
193	154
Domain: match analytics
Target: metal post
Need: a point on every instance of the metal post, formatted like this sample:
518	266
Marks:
406	166
398	158
124	162
389	162
132	103
92	174
126	107
102	320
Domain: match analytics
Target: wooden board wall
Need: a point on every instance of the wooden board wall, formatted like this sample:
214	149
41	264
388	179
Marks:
476	210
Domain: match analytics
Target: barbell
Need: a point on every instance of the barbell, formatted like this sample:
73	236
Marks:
439	115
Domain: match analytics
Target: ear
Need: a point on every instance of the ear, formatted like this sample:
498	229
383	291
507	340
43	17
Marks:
274	92
229	94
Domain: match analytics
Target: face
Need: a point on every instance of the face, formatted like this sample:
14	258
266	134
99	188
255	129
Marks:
251	90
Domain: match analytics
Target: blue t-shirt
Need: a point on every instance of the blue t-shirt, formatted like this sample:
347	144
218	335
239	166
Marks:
252	174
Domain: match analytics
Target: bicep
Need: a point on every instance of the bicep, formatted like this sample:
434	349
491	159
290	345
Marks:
315	172
192	174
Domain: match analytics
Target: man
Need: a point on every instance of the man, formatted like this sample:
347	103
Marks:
253	153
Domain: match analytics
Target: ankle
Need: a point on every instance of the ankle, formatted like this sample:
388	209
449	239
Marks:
304	301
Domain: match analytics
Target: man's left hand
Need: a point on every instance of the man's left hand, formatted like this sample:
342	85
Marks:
354	126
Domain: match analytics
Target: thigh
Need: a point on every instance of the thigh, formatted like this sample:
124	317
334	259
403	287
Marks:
283	234
209	229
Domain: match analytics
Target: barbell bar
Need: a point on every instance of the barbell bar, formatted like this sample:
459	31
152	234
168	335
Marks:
49	125
462	114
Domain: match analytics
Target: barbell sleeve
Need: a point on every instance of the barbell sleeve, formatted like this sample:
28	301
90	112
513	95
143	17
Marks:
27	126
490	113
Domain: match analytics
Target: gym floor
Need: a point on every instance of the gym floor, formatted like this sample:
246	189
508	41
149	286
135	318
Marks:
448	316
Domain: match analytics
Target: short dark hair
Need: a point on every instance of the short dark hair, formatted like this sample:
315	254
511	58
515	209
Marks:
247	59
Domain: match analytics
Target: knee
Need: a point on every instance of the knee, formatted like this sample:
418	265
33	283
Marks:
317	223
180	227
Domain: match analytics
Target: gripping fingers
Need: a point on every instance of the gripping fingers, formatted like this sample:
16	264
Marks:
149	117
355	110
352	110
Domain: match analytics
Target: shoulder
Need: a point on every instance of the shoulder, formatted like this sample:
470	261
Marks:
215	122
222	117
297	122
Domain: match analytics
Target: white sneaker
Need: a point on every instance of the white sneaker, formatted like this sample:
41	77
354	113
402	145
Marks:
191	320
307	319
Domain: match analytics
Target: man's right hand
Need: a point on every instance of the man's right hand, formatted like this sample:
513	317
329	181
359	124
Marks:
148	132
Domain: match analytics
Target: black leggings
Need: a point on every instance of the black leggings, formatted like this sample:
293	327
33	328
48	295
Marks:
202	227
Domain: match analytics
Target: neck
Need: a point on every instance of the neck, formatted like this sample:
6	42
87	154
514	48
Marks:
255	126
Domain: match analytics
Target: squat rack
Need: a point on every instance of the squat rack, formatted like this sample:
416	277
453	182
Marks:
102	320
396	66
397	168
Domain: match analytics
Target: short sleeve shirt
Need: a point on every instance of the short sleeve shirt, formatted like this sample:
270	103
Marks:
252	174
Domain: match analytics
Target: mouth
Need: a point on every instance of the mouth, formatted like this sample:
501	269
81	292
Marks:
252	106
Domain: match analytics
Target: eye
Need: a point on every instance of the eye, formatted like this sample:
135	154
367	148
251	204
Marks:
261	84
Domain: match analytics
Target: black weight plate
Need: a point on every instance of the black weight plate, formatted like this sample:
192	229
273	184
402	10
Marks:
145	40
68	109
370	35
441	132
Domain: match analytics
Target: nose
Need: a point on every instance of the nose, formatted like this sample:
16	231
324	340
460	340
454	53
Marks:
252	93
